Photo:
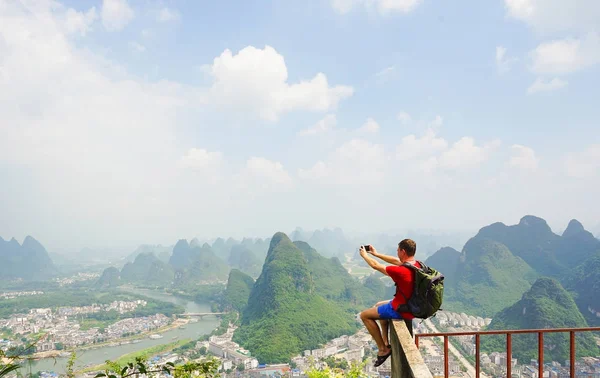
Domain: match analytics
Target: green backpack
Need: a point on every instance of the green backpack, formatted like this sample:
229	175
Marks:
428	292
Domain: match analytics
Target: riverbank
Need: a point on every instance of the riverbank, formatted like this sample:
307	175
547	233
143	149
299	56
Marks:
125	340
144	354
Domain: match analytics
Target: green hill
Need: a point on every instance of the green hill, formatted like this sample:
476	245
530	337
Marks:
332	281
242	258
584	283
147	269
447	261
490	278
546	305
28	261
194	264
111	277
285	314
237	292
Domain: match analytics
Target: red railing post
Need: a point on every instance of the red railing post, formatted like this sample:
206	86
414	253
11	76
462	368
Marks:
477	357
417	341
508	355
572	354
446	369
540	354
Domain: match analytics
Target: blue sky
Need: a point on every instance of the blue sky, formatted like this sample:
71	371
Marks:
132	122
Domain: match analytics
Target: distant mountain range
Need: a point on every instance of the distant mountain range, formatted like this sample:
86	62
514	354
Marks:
501	262
28	261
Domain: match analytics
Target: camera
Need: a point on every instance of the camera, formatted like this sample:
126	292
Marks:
366	247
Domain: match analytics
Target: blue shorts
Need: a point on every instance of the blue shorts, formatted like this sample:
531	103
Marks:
386	311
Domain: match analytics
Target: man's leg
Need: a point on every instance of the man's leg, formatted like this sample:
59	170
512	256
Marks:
385	325
369	318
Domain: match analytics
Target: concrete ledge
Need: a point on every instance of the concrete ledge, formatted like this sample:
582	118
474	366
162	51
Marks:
407	361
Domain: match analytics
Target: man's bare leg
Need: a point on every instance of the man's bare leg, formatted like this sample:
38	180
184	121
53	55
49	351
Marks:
384	325
369	318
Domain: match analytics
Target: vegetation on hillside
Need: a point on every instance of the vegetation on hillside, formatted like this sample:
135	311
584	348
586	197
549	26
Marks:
285	313
546	305
237	292
489	279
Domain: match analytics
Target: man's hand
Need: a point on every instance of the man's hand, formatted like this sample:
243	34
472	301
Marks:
362	251
372	250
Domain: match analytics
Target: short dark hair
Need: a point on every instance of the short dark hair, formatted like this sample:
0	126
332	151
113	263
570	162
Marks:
409	246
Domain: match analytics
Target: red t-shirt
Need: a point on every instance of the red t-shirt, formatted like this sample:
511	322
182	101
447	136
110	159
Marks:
405	283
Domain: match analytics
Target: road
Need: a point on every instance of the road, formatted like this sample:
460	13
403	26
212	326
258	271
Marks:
456	353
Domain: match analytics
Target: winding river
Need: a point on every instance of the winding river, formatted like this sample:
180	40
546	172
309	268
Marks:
99	355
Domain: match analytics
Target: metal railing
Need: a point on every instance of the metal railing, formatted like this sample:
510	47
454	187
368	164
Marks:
539	332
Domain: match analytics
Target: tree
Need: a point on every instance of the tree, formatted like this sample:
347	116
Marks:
241	367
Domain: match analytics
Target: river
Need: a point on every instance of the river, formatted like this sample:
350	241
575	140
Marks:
99	355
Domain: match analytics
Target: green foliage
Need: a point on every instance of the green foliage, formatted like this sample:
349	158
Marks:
237	291
546	305
356	371
9	367
489	279
207	368
285	313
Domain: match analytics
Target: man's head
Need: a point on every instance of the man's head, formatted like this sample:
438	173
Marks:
406	249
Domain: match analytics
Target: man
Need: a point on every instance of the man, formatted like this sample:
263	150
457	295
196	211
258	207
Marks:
385	311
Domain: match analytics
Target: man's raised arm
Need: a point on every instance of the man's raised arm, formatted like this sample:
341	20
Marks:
372	262
388	259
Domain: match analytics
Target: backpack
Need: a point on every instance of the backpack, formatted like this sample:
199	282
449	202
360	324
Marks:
428	292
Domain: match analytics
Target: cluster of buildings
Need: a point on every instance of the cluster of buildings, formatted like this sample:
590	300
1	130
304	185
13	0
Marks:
495	364
77	278
230	353
63	331
15	294
121	307
452	319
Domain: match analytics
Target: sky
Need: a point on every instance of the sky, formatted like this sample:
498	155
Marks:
125	122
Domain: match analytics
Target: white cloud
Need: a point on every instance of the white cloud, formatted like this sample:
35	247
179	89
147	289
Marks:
541	85
201	159
322	126
503	62
168	15
583	164
318	171
80	22
116	14
412	148
355	161
437	122
382	6
137	47
523	158
404	117
385	74
267	173
566	55
255	80
556	15
465	154
370	126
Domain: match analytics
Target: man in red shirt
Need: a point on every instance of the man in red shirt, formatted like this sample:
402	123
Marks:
384	311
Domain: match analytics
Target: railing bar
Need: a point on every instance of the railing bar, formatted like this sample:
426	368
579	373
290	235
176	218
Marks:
572	354
446	369
540	354
417	341
503	332
508	355
477	357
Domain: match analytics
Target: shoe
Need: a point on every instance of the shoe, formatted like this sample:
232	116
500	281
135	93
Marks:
381	359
